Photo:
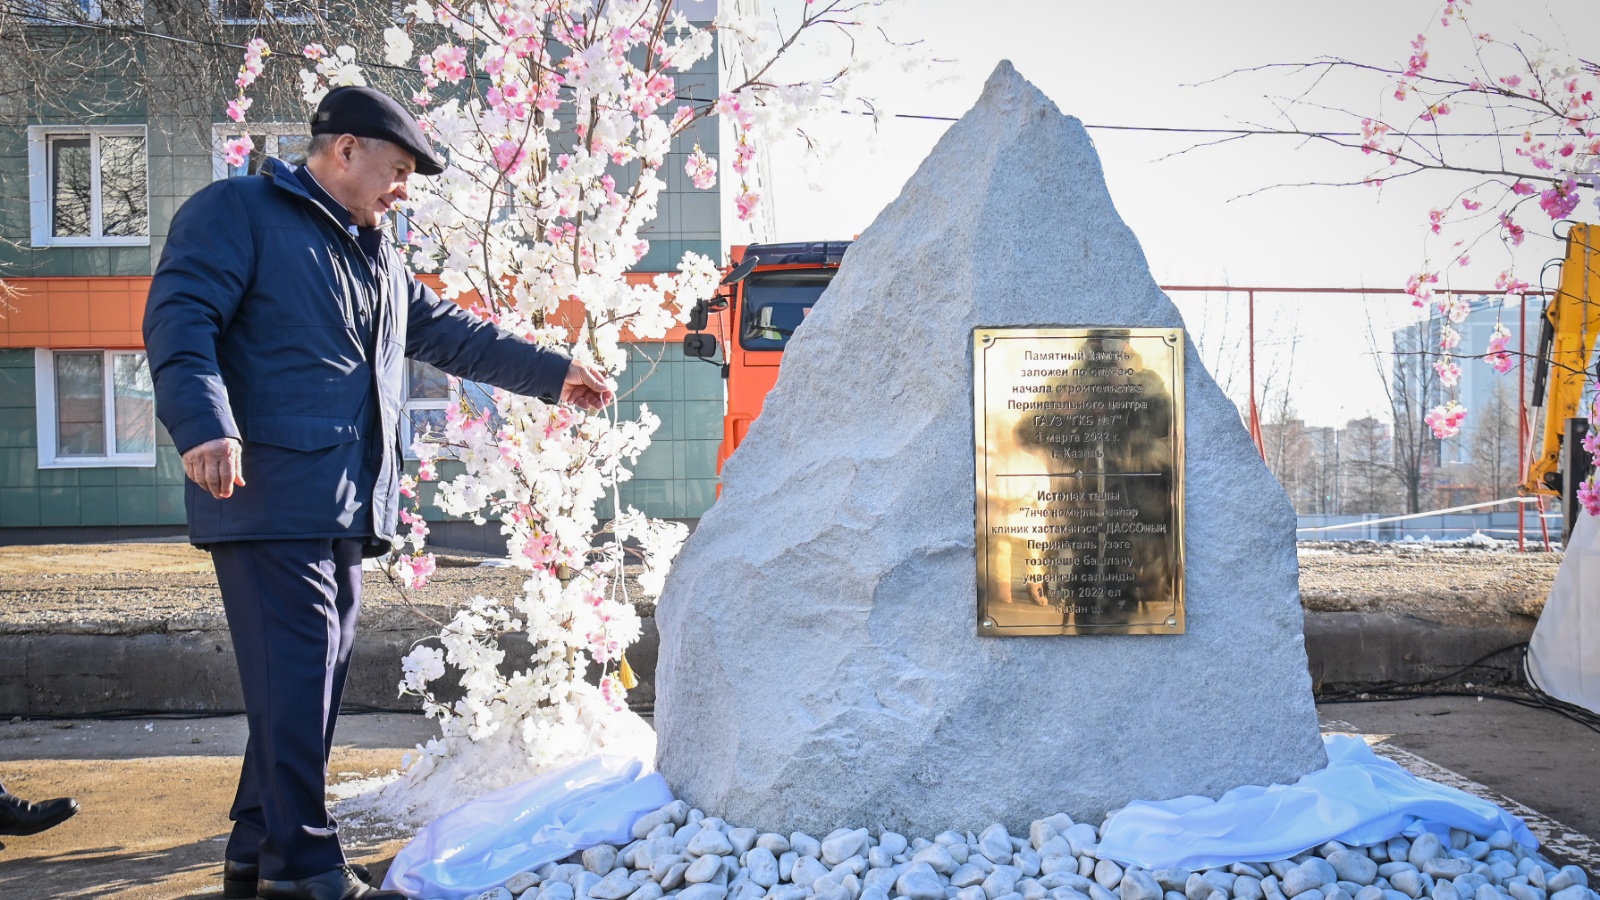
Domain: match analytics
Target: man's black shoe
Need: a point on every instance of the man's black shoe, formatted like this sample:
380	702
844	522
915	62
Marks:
19	817
339	884
239	879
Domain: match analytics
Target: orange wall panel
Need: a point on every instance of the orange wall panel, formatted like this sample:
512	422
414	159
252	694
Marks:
109	311
75	312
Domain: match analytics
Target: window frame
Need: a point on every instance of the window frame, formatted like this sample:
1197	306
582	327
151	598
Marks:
271	130
44	371
452	397
40	197
42	12
215	7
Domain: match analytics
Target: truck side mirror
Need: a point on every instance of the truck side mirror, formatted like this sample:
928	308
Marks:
698	316
697	345
742	270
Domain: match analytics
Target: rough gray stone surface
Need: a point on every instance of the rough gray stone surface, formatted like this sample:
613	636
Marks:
819	665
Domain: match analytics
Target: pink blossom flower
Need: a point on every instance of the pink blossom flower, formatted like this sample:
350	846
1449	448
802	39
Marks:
1469	204
408	486
1416	286
541	551
1508	283
237	108
1522	189
509	156
1514	232
1589	497
746	204
1449	372
426	470
314	51
701	169
237	151
1419	57
612	692
415	570
1561	200
450	63
1591	442
1446	420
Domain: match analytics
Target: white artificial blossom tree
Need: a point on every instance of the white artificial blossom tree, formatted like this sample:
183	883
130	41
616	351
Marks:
556	117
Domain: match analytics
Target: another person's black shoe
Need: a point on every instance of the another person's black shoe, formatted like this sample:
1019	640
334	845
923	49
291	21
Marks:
239	879
340	884
19	817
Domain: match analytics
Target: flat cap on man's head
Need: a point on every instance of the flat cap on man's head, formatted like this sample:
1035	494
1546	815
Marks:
369	113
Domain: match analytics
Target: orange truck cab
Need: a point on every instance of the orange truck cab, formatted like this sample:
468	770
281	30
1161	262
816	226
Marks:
764	297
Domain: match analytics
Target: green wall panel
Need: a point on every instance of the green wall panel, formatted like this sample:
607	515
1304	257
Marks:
674	478
19	507
59	506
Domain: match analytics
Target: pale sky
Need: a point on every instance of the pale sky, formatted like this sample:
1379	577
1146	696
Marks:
1140	64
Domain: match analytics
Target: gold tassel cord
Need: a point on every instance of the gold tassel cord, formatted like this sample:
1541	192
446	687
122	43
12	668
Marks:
625	674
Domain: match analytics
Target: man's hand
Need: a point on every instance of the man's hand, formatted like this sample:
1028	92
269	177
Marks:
217	466
586	385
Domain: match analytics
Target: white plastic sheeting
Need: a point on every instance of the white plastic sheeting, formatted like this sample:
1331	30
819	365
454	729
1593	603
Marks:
479	845
1564	652
1359	798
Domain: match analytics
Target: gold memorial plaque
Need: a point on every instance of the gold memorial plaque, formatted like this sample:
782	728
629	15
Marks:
1079	437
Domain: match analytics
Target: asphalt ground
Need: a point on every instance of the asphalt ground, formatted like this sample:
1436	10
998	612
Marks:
154	792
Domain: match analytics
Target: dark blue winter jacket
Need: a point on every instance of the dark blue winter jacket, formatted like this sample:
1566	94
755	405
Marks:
252	333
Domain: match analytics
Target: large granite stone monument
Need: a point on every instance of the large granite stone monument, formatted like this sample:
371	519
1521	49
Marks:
821	666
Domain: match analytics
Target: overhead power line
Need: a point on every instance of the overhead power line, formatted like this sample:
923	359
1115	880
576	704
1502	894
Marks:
1173	129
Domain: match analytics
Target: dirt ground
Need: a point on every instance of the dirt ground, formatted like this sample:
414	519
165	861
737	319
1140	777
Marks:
143	588
153	796
1440	583
134	588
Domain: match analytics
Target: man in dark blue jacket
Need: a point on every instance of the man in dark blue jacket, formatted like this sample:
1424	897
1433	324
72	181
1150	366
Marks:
278	326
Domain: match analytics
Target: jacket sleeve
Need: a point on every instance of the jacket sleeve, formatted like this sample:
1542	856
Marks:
205	269
443	334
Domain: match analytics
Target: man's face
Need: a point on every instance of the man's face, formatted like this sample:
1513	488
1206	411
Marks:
376	180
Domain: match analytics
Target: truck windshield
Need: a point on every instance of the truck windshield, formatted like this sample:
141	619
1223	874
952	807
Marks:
775	303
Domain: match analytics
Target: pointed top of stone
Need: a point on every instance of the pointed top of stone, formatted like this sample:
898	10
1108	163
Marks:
820	666
1005	87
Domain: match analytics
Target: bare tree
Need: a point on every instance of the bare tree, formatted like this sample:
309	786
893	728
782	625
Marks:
1411	385
1367	470
1319	483
1492	443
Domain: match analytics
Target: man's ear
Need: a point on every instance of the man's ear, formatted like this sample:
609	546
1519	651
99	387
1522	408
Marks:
345	148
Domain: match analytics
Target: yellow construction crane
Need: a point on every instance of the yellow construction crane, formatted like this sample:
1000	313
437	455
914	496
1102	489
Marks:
1566	344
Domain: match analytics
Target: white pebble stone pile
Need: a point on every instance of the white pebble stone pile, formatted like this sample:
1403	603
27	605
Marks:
681	853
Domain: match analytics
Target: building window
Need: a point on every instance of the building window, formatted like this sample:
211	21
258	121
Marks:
429	393
249	11
89	186
285	142
75	12
95	408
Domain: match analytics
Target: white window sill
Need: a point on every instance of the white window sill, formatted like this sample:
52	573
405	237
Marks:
93	242
124	461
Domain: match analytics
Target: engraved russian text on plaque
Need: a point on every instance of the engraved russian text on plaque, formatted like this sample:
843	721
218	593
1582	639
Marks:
1079	437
